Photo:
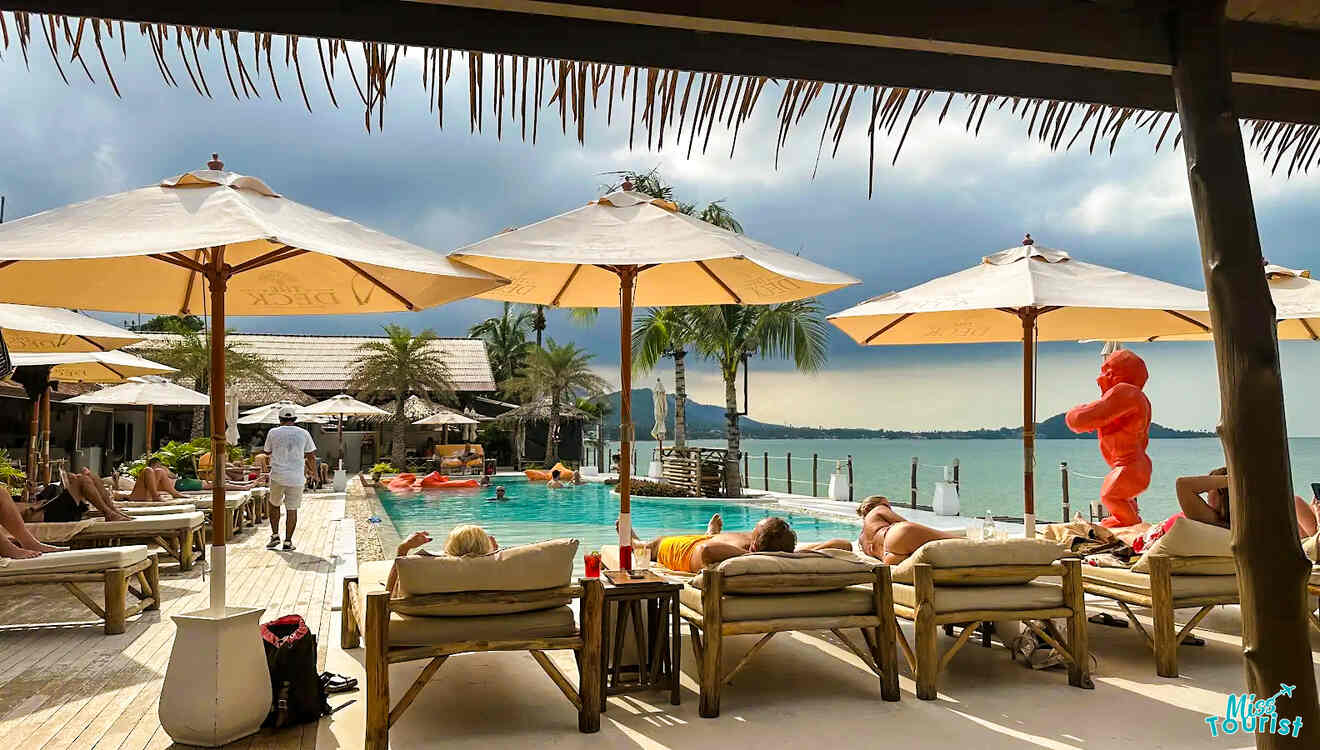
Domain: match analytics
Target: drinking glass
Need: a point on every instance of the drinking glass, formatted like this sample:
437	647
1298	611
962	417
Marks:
592	564
975	528
642	558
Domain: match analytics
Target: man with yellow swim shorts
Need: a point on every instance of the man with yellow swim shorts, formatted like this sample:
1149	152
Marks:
689	553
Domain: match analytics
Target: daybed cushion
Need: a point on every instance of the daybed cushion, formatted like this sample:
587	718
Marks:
545	565
1183	585
410	630
57	532
972	553
854	600
1206	543
146	524
138	511
1016	597
821	565
75	561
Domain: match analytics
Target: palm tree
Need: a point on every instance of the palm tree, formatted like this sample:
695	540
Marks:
558	373
506	340
666	332
727	334
189	352
397	366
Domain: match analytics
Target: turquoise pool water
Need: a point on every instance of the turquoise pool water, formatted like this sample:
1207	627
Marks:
533	513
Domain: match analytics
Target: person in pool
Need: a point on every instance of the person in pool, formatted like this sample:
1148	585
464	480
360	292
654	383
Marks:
689	553
889	537
555	483
499	495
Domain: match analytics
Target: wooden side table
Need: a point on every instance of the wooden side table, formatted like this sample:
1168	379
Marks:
648	613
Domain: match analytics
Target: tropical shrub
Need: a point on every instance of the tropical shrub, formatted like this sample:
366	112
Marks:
644	488
12	476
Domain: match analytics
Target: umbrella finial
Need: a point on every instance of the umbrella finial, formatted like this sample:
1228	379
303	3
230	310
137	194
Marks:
1027	241
627	184
215	163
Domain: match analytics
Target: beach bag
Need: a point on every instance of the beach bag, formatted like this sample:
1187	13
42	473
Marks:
296	690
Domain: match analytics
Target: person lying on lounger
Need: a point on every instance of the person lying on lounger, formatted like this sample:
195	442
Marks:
689	553
81	492
889	537
16	541
154	484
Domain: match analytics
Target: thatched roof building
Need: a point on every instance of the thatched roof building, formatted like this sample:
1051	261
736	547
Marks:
539	411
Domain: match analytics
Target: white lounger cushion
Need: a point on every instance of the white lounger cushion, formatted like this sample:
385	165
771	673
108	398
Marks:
740	573
545	565
75	561
972	553
1208	543
1016	597
146	524
138	511
854	600
1184	586
425	630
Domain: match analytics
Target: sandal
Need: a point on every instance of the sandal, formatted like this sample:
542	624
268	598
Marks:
274	541
334	683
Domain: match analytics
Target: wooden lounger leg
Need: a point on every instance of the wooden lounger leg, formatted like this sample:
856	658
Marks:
349	637
185	542
1164	636
927	651
152	574
377	625
116	600
884	646
1079	669
590	687
713	648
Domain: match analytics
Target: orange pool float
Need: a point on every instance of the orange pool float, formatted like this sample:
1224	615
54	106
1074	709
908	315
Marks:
453	483
543	475
434	479
402	482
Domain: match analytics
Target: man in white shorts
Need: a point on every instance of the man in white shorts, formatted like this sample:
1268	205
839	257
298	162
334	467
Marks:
291	451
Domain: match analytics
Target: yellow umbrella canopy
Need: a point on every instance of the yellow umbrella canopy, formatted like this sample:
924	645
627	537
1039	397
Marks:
1026	294
28	328
217	242
628	249
91	367
1296	307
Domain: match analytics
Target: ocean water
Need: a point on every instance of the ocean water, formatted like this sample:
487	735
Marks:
991	470
587	512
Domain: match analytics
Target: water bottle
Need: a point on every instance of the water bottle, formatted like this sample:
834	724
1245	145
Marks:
988	530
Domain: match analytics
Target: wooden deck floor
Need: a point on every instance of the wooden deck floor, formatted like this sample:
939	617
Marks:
65	684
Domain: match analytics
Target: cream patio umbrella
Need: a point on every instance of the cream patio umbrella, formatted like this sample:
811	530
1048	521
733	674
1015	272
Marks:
143	392
660	407
29	328
217	242
270	414
342	406
628	248
445	417
1028	294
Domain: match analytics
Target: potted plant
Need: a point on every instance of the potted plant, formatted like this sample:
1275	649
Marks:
382	467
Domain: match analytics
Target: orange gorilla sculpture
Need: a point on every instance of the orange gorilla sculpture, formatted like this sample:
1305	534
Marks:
1121	418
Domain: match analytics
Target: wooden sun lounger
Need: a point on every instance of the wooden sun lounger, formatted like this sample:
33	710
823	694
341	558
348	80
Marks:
368	613
123	571
180	536
1162	590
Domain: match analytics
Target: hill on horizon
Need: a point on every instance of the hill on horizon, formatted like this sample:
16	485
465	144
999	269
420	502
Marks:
705	421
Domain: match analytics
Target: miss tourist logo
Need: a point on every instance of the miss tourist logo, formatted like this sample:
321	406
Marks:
1245	714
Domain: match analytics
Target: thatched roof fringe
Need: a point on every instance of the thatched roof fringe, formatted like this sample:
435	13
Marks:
712	98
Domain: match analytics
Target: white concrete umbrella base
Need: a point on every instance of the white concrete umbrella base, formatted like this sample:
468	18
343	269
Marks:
217	685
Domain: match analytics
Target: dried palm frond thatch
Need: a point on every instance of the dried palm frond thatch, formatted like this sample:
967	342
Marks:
539	411
676	108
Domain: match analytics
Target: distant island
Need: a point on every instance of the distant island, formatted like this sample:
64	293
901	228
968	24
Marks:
707	421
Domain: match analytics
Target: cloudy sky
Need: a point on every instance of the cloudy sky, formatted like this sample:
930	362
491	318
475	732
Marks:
952	198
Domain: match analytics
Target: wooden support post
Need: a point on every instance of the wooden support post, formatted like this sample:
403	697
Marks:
377	624
850	478
927	651
151	423
45	434
815	474
116	600
1067	503
590	688
34	431
957	479
747	480
885	647
349	637
1164	637
1272	570
788	467
713	627
765	469
1079	671
1029	420
912	483
152	574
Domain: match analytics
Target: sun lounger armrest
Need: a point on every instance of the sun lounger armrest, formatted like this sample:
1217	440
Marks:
974	574
549	596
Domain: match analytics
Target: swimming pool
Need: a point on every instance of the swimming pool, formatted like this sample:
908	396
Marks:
587	512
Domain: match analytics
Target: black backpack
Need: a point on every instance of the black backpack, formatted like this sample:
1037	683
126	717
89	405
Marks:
297	693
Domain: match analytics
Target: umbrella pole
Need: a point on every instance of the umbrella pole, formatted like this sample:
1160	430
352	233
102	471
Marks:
45	435
34	430
341	441
627	275
219	518
151	418
1029	421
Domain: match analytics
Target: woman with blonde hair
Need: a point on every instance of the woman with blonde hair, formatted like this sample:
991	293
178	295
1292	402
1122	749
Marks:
466	540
